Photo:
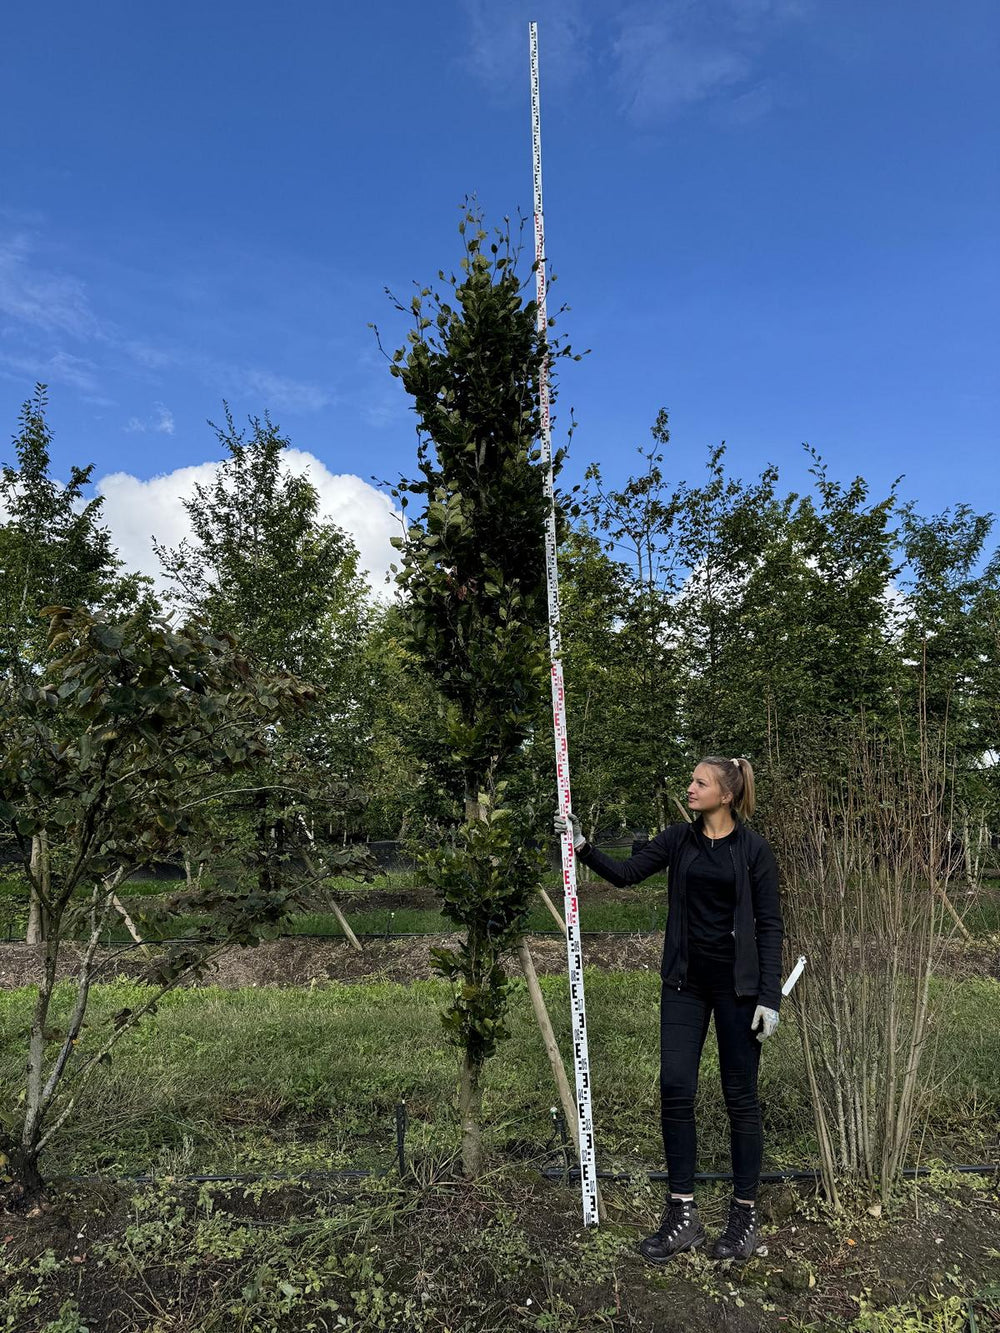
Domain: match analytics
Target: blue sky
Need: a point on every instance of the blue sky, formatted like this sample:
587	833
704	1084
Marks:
777	218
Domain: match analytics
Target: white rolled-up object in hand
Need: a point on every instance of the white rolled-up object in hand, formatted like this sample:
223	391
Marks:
794	975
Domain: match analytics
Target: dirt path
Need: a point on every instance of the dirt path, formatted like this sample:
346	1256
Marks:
298	961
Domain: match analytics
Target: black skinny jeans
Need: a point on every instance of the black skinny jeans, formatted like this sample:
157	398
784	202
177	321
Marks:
684	1016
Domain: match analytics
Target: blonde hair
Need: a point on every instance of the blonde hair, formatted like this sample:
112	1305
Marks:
735	777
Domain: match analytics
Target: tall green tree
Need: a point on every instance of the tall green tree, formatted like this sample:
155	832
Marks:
473	575
600	676
637	524
54	549
265	567
53	545
948	641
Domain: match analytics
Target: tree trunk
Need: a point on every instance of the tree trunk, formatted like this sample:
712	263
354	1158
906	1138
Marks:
661	810
470	1107
35	933
26	1185
264	856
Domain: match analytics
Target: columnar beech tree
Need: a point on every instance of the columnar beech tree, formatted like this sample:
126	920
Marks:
473	571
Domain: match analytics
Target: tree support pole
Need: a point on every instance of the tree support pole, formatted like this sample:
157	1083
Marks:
557	915
122	911
341	919
345	927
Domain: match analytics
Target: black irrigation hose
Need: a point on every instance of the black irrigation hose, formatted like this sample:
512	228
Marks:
348	1173
548	1172
565	1173
767	1177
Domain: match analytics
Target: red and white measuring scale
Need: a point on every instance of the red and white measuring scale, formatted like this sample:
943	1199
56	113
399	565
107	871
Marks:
581	1059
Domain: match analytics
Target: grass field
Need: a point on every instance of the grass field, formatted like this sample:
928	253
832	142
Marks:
292	1082
309	1078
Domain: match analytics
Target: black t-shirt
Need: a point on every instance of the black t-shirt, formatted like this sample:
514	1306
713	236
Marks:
711	899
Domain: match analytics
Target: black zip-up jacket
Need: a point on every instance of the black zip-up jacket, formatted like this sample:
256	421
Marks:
758	926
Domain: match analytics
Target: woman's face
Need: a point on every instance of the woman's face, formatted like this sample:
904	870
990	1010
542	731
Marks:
704	792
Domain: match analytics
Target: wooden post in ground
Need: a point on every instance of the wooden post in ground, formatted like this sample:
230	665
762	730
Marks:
120	908
962	927
342	920
553	909
555	1058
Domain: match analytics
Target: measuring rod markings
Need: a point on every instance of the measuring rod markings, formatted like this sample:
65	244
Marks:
581	1059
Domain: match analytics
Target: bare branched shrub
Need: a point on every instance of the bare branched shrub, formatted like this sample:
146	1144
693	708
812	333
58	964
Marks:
861	832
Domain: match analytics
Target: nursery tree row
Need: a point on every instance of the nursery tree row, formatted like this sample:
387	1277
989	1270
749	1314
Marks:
700	615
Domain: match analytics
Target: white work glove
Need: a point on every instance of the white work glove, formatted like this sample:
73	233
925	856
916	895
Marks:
769	1017
559	824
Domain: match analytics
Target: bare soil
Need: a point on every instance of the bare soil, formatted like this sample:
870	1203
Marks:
297	961
512	1256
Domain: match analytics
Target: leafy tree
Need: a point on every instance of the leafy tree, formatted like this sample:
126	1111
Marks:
948	638
264	567
746	611
721	529
602	684
473	571
637	522
409	771
53	549
105	759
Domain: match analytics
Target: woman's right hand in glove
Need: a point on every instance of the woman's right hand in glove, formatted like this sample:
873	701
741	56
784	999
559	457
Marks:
561	823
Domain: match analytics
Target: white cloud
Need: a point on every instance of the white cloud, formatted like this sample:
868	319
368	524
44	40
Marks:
162	422
677	53
52	302
136	510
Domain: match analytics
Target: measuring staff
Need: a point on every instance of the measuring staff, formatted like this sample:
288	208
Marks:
721	955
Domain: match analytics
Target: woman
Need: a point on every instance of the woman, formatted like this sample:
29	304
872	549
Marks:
721	955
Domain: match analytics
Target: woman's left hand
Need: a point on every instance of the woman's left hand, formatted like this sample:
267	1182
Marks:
769	1018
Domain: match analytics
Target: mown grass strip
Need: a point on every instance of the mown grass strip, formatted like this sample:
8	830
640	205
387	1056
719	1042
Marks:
308	1079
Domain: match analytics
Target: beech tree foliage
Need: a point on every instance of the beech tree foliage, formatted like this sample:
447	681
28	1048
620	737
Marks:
472	569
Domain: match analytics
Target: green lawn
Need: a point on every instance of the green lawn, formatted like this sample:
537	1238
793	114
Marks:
291	1079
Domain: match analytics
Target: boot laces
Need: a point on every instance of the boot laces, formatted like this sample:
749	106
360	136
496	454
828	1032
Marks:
676	1218
740	1224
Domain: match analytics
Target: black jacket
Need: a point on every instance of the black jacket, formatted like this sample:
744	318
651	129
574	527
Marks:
758	926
